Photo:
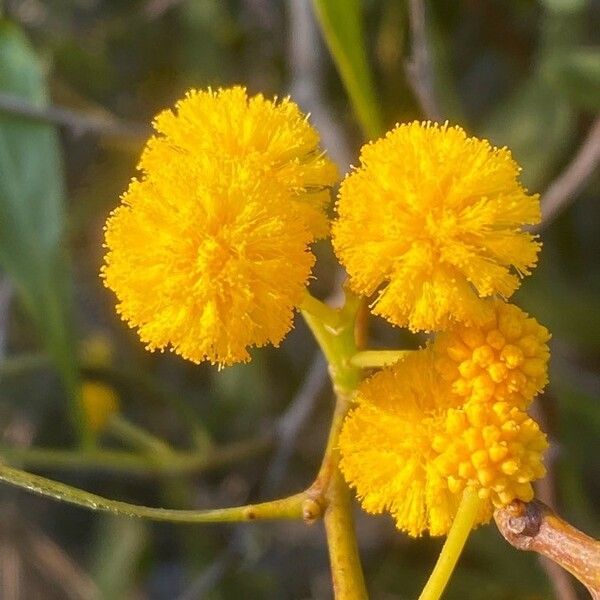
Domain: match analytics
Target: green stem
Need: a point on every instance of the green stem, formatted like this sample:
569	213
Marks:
138	438
339	346
286	508
177	463
373	359
348	580
159	391
455	542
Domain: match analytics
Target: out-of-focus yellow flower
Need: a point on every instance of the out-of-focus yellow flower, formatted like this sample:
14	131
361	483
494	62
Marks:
411	447
100	402
431	220
505	359
209	252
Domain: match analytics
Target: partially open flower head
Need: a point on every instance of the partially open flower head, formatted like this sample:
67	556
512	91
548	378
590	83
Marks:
497	450
411	447
431	221
208	252
387	446
505	359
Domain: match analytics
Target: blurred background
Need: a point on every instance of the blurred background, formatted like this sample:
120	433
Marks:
80	81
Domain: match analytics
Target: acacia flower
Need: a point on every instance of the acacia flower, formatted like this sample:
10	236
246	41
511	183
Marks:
496	449
431	221
411	447
208	252
505	359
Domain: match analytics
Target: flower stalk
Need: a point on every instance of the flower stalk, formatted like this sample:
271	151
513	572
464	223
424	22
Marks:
339	345
453	546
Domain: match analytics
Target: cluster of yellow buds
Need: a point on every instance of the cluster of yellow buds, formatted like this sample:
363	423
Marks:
209	255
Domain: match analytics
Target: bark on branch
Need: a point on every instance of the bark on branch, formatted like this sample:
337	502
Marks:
534	526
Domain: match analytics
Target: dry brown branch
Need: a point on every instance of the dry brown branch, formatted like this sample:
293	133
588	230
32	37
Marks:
534	526
546	489
565	187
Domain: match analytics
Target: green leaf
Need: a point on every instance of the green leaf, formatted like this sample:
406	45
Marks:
341	23
537	126
32	210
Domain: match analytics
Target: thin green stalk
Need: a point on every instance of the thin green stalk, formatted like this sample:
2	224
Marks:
138	438
339	346
286	508
346	569
455	542
373	359
162	392
177	463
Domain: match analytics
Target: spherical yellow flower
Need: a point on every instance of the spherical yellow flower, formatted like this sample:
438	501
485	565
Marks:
268	138
431	220
411	447
496	449
387	451
505	359
208	252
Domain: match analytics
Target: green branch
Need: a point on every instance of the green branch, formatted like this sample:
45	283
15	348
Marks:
176	463
339	345
286	508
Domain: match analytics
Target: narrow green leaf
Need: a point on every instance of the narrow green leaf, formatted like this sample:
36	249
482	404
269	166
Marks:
341	23
32	211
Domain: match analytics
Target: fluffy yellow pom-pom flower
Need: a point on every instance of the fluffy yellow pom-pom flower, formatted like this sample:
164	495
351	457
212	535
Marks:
386	446
209	252
411	447
270	139
505	359
432	221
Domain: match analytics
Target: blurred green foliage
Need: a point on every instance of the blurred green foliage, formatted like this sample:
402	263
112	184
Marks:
526	74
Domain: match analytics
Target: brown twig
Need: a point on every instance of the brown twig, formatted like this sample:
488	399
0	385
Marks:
101	124
534	526
565	187
419	69
546	489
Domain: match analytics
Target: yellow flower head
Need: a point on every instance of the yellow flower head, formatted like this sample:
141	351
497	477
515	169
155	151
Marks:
209	252
411	447
505	359
264	138
432	221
